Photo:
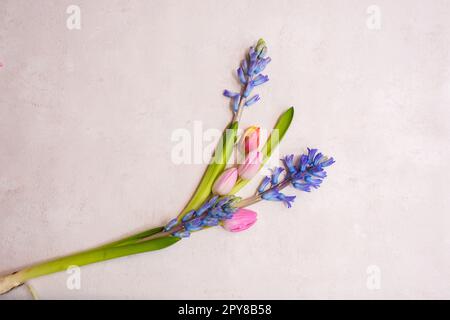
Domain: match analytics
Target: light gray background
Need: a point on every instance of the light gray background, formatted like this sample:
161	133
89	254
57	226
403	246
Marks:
86	119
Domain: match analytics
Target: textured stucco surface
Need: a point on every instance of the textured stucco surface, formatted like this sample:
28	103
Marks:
86	118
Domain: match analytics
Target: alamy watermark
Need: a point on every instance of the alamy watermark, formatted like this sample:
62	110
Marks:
196	146
373	281
373	21
73	21
73	281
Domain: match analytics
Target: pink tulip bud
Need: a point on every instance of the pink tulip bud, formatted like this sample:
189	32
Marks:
242	220
251	165
249	140
225	182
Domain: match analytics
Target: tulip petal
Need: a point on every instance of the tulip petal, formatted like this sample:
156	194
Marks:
225	182
241	220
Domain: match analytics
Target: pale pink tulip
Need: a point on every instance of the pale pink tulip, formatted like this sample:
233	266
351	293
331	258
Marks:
251	165
225	182
242	220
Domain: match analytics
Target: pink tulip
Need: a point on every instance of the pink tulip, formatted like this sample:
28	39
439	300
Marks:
251	165
225	182
242	220
249	140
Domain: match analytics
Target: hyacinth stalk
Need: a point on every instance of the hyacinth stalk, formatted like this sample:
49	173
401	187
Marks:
205	210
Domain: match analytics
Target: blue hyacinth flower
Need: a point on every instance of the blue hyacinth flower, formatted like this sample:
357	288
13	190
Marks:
208	204
230	94
307	174
241	75
259	80
172	223
210	221
252	100
182	234
264	183
249	77
276	175
287	200
188	216
194	224
289	163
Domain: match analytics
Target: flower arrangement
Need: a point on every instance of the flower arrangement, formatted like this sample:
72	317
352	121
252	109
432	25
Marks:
215	202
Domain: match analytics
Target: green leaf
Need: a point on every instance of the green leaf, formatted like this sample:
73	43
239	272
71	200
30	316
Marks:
95	255
278	132
133	238
215	168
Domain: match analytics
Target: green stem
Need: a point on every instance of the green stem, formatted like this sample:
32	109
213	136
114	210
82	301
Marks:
83	258
133	238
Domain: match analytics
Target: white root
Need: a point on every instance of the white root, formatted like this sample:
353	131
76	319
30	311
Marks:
9	282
